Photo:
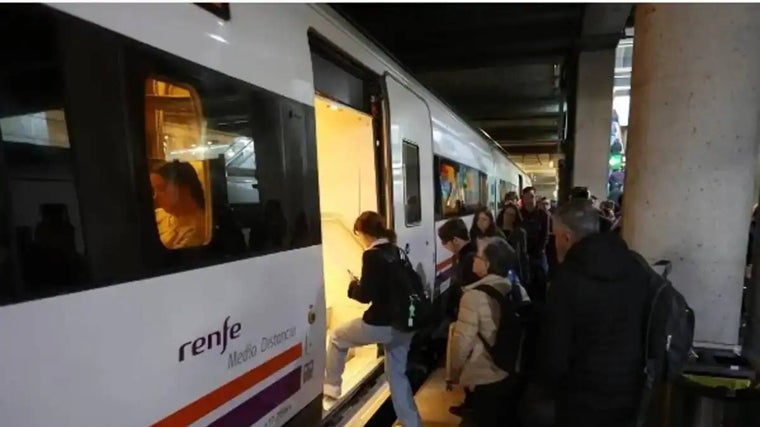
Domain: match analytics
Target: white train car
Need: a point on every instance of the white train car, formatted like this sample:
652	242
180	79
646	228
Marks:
177	192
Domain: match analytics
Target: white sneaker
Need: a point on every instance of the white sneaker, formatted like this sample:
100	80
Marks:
331	391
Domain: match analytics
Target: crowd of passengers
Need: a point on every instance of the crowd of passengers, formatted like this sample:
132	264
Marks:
587	291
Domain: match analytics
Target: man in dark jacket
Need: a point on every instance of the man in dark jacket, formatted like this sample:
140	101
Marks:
536	225
592	354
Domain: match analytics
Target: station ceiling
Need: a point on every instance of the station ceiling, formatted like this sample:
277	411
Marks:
504	67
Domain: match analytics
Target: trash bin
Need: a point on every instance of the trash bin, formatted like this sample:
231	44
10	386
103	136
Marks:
717	390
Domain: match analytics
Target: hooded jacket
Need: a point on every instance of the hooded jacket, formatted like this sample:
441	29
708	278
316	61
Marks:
592	353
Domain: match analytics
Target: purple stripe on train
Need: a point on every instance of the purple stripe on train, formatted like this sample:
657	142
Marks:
262	403
443	276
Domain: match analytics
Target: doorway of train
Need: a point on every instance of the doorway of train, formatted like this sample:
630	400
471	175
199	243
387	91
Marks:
350	164
374	152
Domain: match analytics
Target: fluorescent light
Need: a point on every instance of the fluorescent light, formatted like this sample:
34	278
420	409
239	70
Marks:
218	38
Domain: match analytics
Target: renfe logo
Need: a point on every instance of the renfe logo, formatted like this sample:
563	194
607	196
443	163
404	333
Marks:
201	344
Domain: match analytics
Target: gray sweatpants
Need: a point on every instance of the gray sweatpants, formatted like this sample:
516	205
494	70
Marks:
356	333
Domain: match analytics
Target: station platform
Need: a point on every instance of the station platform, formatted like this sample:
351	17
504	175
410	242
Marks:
433	401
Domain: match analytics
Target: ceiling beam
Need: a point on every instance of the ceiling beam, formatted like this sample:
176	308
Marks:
604	25
506	108
529	122
478	37
410	16
468	56
550	148
539	58
605	18
546	133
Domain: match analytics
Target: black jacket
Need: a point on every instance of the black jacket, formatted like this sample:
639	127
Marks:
461	276
536	226
372	288
605	224
592	355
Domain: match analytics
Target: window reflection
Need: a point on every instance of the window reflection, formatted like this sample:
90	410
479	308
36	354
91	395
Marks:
462	188
42	241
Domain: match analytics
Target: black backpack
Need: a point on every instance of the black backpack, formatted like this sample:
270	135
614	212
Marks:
669	333
512	330
410	305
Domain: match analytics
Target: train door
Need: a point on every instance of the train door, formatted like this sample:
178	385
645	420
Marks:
349	166
411	150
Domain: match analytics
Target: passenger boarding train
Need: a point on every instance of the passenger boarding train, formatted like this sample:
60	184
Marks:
178	186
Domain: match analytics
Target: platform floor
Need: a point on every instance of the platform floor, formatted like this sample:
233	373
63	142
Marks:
433	401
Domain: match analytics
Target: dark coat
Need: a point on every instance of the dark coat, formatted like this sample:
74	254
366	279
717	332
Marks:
592	354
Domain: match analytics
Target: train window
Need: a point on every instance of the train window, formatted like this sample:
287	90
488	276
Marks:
412	206
246	158
42	245
462	188
470	182
451	199
179	175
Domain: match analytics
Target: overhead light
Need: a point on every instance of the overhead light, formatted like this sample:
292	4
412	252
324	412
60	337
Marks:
218	38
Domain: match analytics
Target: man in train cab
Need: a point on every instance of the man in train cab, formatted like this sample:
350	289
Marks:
536	225
455	237
591	355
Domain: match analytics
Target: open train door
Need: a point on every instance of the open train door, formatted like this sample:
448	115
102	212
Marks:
411	154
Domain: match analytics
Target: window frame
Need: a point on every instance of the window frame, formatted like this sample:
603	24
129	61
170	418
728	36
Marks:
143	61
199	110
406	143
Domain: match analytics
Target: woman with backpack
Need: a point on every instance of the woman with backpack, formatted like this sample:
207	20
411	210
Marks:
471	364
375	325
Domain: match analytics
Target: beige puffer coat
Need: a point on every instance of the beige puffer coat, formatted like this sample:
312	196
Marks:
468	362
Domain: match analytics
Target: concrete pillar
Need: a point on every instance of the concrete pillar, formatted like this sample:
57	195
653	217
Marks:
692	149
593	120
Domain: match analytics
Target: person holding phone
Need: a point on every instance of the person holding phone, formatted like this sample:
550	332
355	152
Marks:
374	327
